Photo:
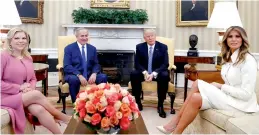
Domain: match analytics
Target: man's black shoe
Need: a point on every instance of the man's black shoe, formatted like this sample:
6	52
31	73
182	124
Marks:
161	112
140	107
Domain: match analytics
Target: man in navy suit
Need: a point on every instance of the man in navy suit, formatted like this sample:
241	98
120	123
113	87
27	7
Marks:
151	64
81	65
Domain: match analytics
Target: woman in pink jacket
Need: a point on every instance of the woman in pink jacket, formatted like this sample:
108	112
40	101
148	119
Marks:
18	86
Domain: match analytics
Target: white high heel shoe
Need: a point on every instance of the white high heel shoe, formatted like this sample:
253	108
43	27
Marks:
162	129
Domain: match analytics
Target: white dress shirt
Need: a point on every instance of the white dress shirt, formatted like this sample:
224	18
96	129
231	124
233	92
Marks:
153	48
80	47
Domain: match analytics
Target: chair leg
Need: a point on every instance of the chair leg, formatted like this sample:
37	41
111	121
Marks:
172	98
64	103
59	95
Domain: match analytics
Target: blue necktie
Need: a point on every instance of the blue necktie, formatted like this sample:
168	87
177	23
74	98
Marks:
150	57
84	62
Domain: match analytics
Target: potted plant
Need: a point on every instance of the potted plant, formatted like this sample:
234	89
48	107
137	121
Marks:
110	16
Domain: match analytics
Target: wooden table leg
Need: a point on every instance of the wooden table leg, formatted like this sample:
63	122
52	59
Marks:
185	87
175	78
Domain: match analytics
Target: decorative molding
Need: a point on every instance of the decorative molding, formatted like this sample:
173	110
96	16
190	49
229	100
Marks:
53	52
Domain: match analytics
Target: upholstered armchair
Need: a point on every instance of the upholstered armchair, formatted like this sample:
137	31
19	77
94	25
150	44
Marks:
63	89
152	86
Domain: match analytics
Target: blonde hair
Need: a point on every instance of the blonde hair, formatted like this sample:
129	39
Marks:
10	36
243	50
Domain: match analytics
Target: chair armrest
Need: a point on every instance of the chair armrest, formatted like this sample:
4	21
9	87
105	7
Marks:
59	67
171	67
61	73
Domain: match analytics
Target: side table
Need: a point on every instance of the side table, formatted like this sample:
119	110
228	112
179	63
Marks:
41	72
40	58
205	72
186	59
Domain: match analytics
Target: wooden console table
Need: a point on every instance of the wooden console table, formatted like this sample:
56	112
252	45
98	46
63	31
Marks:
40	58
206	72
41	73
41	70
186	59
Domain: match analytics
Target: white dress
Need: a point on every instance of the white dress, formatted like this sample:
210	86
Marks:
238	92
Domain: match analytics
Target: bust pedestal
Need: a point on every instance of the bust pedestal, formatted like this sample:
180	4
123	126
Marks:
193	52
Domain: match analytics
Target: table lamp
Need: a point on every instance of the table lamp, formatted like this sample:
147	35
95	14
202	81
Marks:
224	15
8	16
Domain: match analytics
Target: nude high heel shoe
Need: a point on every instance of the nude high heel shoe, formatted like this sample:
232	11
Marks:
162	129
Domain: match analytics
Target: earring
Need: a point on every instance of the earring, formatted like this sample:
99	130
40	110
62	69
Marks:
10	47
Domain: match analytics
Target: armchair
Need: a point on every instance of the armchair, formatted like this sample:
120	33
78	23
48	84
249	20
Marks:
147	86
63	88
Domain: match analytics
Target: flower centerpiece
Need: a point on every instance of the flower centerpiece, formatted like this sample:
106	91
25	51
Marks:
106	108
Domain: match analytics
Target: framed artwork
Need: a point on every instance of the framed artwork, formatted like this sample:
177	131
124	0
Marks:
30	11
193	12
110	4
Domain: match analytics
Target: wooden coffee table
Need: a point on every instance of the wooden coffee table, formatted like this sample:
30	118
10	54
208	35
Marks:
136	127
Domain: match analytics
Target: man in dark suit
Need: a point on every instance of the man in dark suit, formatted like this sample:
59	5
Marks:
196	10
81	65
151	63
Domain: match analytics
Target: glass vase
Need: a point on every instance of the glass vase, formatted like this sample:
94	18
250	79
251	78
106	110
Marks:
112	131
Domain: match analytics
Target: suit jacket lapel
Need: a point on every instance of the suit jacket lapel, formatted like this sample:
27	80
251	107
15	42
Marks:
155	52
88	53
77	51
146	51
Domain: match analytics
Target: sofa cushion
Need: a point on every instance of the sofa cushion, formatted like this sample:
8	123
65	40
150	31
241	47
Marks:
243	125
219	117
5	118
257	86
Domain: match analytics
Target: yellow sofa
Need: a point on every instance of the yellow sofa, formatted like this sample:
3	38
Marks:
152	86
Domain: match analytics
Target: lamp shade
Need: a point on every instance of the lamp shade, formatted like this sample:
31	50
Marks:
8	13
224	15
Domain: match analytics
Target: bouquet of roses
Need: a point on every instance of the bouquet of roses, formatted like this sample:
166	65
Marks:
105	107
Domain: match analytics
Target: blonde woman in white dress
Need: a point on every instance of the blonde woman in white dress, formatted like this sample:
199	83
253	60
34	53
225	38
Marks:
239	70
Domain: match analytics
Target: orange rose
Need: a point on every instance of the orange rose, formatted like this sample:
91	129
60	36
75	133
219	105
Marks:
119	115
105	123
99	93
90	108
114	120
96	118
124	123
100	108
125	110
110	111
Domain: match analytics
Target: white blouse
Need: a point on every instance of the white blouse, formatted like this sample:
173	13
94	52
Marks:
240	81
